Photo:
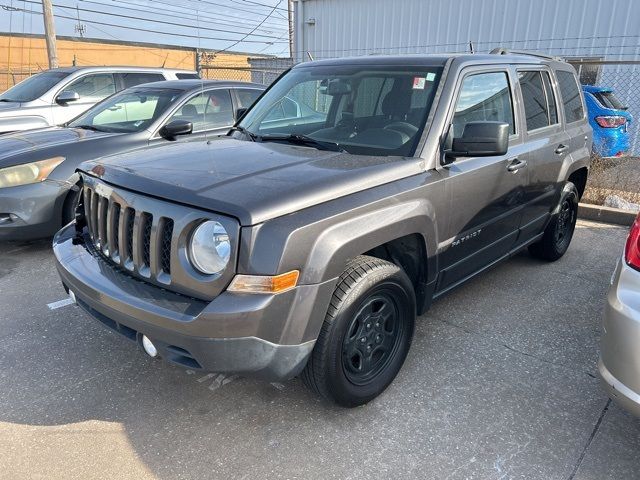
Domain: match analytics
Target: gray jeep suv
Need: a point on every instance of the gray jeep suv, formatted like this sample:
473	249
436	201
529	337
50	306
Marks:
306	244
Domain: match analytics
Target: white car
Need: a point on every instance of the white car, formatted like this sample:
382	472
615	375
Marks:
54	97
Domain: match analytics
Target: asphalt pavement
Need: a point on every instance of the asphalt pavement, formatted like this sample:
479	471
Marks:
500	383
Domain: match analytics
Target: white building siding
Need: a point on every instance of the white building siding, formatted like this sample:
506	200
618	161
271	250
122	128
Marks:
590	28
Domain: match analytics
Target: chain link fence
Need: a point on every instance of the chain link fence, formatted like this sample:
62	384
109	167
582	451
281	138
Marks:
612	181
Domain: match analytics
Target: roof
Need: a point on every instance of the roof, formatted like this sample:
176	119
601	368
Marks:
127	68
430	59
194	84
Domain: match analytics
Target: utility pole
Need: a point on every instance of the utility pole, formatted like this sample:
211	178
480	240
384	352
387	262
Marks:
50	33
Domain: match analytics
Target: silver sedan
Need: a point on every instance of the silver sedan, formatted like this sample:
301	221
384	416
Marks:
619	364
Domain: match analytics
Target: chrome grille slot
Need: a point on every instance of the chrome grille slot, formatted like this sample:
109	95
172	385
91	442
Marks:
145	237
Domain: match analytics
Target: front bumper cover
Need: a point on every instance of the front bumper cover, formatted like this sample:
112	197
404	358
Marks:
264	336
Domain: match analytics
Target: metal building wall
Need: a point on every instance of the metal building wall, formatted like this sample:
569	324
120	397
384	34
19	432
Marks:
338	28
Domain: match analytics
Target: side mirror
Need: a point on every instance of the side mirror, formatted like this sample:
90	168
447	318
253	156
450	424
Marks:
481	139
175	128
240	113
66	97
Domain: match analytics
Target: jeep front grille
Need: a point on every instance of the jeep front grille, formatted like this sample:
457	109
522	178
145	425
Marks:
146	247
147	238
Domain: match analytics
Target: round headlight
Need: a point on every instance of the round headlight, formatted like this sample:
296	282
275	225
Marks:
210	249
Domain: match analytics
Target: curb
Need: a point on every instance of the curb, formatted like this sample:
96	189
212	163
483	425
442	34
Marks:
599	213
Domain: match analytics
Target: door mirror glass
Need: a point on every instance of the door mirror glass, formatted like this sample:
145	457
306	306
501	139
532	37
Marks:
176	128
481	139
67	96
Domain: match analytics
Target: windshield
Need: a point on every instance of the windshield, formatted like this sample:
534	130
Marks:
609	100
364	110
128	111
33	87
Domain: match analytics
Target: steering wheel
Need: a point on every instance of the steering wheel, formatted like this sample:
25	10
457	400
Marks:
403	127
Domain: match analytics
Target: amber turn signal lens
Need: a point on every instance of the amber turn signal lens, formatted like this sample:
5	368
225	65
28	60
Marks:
264	284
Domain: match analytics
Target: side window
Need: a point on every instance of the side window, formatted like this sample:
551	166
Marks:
246	96
536	108
483	96
129	109
207	110
131	79
93	87
187	76
570	96
551	99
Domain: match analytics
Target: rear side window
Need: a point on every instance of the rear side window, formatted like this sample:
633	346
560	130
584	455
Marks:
539	102
570	96
551	99
483	96
132	79
187	76
246	96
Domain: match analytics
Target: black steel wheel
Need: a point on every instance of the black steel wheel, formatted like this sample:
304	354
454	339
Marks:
366	334
557	236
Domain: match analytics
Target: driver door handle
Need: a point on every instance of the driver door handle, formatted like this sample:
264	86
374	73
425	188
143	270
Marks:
516	164
561	149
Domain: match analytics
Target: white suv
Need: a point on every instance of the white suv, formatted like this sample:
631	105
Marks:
56	96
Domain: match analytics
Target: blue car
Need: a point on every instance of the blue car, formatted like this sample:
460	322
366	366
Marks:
610	121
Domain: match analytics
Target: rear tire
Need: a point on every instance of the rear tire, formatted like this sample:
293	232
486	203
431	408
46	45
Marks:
559	232
366	333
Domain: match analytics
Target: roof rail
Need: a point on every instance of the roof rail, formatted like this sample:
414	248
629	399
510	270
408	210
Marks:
506	51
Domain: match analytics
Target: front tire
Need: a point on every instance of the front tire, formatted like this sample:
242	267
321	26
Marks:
366	334
559	232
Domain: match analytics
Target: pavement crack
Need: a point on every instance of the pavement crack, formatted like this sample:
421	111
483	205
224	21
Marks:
591	437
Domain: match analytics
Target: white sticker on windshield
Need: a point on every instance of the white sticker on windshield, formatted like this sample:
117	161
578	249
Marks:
418	83
431	77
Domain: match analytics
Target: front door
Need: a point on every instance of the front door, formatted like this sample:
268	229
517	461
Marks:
211	113
485	193
91	88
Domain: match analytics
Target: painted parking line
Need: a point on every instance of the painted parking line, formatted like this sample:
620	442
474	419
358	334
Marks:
60	304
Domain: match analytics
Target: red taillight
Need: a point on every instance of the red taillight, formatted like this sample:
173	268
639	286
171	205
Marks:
611	121
632	248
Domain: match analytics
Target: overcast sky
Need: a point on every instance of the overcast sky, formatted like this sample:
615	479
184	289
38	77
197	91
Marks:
254	26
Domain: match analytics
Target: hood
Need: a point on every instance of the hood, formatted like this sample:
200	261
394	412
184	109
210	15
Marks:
252	181
4	106
12	145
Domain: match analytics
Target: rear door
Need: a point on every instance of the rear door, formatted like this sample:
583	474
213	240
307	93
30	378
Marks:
485	193
545	142
575	122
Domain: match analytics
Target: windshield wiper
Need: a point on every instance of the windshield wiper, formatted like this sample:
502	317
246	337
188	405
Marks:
240	129
299	139
7	100
89	127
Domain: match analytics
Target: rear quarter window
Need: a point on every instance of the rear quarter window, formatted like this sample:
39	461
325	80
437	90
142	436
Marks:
187	76
571	100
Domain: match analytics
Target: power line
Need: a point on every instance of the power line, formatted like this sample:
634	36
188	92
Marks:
94	22
242	21
243	38
147	20
175	14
